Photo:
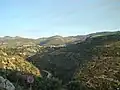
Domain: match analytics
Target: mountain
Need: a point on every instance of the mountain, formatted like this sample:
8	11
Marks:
88	62
103	33
94	62
62	62
59	40
54	40
48	41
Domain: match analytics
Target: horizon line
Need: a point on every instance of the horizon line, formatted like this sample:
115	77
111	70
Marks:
32	37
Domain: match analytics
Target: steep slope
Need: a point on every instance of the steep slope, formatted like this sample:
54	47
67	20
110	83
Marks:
90	64
15	68
65	62
101	74
102	71
59	62
16	63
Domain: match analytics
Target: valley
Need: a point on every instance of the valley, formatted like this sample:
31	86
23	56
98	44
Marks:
88	62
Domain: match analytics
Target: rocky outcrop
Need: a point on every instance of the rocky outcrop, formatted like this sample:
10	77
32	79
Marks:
6	84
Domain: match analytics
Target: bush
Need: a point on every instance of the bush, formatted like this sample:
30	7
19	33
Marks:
46	84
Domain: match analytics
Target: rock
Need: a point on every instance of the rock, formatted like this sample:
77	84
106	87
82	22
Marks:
6	84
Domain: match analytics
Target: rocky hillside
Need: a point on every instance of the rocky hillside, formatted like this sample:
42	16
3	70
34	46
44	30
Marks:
89	64
103	71
9	59
72	62
14	67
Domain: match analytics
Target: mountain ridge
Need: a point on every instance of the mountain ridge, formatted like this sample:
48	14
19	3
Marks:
83	63
47	41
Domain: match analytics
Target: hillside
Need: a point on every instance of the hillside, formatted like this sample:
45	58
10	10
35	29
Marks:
66	62
90	63
15	70
48	41
12	63
12	59
59	40
103	33
16	41
103	71
54	40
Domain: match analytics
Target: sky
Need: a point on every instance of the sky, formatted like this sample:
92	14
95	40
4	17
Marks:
41	18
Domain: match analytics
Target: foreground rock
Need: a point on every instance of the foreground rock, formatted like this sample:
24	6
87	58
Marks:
6	84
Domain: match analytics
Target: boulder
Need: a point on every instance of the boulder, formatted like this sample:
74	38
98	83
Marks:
6	84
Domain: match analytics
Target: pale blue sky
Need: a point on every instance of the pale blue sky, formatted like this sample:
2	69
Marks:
38	18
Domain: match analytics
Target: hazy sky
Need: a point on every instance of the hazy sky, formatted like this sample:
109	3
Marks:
38	18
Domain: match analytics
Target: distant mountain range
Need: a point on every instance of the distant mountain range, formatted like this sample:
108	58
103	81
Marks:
54	40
